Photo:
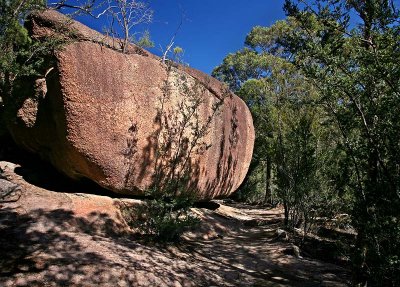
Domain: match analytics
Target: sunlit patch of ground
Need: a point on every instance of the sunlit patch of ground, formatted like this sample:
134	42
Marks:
73	238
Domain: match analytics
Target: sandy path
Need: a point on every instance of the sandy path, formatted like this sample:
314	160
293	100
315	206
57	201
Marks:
54	238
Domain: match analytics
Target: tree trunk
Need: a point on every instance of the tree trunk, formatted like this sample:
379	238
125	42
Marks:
286	209
268	194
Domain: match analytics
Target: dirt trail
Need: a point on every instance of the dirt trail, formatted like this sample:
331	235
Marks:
70	238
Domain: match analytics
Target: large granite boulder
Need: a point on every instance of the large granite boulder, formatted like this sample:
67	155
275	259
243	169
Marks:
124	120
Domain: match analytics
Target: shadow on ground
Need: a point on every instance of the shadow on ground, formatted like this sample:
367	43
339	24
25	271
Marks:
42	243
58	248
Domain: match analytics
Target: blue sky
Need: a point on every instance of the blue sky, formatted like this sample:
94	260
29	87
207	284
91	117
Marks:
211	29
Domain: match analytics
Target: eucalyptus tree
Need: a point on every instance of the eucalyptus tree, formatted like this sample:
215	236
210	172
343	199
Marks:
15	44
125	15
350	52
290	127
22	55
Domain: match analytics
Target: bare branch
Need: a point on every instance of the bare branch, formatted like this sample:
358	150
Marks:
172	41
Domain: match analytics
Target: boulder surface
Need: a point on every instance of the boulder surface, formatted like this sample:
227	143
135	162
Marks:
124	120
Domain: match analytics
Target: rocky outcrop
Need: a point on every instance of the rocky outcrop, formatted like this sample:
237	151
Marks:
121	120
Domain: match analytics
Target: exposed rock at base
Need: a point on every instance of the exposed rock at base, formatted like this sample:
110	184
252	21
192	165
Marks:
108	116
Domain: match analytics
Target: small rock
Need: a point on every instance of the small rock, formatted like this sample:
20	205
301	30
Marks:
282	234
293	250
7	188
296	251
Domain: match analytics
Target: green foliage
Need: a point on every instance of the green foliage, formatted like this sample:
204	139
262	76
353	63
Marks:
292	143
254	190
21	56
162	219
178	50
124	16
12	14
178	54
325	99
177	143
174	56
144	41
356	72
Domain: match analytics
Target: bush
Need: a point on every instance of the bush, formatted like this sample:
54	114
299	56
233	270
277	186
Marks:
162	219
177	143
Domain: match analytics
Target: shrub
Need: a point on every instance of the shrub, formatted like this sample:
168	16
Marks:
162	218
177	143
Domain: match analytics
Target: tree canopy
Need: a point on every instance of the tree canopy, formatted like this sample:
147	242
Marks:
323	86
